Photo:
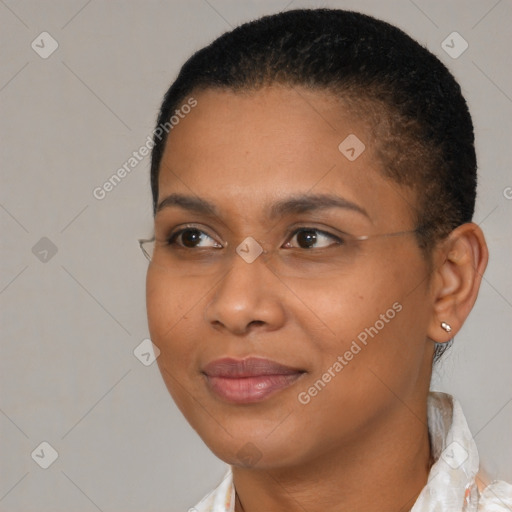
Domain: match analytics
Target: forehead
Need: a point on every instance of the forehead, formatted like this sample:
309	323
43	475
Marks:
244	150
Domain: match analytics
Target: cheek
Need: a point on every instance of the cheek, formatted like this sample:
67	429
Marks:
160	306
168	318
168	322
380	321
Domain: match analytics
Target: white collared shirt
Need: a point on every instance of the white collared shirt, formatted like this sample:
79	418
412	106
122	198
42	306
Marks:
451	485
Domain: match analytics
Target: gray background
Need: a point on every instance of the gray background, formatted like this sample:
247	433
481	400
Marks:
70	324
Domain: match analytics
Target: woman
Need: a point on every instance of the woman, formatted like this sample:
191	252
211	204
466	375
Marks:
313	180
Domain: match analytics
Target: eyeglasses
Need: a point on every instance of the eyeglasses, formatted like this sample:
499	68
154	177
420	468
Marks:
295	261
147	246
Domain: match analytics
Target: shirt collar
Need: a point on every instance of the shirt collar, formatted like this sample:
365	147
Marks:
451	481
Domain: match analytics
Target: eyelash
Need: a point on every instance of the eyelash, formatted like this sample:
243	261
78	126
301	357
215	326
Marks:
171	239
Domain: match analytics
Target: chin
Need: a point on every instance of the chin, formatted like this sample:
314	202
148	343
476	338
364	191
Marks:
252	447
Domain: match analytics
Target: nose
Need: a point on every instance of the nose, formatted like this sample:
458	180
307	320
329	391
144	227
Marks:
249	296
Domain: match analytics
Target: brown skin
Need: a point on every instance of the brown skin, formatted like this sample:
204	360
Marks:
362	442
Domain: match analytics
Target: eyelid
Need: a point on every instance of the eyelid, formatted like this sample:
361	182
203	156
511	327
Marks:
327	230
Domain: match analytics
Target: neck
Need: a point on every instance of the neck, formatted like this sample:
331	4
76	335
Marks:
383	469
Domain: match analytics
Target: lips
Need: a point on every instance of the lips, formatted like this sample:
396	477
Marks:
248	380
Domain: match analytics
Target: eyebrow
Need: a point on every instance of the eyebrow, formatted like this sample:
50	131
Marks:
293	204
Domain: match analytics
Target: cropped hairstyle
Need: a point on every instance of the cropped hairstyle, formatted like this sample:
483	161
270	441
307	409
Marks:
420	126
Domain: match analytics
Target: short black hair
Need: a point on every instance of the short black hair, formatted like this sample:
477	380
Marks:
420	120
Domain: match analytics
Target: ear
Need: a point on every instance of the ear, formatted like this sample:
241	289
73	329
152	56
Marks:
459	265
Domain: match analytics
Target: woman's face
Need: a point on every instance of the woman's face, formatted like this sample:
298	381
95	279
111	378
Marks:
346	322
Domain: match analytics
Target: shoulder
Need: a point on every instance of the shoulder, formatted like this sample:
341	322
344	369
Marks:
496	497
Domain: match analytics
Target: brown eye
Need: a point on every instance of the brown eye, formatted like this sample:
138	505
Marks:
190	238
308	237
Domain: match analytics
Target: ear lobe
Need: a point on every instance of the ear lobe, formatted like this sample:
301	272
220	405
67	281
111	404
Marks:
462	260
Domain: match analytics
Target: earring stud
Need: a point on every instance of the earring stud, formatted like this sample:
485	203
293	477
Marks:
446	327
